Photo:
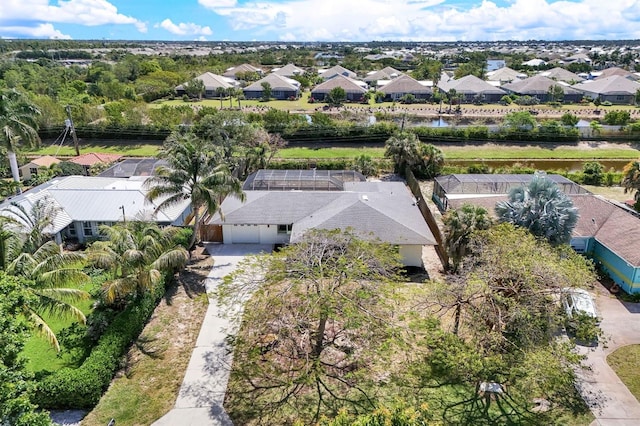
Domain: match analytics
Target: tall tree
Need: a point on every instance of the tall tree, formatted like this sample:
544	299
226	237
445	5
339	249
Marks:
459	224
195	173
318	315
33	224
136	255
18	125
542	208
406	150
631	181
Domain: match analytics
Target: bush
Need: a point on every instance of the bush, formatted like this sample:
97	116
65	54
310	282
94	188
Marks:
82	387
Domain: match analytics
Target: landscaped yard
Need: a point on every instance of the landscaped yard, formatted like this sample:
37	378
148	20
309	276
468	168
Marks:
624	362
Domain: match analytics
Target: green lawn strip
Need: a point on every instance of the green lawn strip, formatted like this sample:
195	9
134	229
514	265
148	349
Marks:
625	361
127	149
511	152
38	351
330	152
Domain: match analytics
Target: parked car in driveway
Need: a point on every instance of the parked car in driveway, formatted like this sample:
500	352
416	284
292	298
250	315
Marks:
577	301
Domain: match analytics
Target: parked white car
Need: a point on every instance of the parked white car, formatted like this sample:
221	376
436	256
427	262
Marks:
578	301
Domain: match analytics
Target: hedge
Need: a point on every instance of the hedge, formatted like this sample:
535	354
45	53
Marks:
82	387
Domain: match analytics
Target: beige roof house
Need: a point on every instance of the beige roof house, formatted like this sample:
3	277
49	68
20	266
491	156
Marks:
281	87
234	71
404	85
352	88
92	158
387	73
505	75
471	86
31	168
289	70
561	74
615	89
337	70
211	84
539	87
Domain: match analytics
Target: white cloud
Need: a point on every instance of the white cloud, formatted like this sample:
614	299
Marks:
40	31
366	20
184	29
83	12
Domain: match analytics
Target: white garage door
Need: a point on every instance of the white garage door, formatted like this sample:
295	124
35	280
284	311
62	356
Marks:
247	234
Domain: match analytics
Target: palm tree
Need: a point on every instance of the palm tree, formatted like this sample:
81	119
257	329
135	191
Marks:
18	124
32	225
631	181
542	208
404	150
136	255
51	275
221	92
195	173
459	224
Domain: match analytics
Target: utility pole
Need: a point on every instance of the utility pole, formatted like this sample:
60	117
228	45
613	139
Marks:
69	123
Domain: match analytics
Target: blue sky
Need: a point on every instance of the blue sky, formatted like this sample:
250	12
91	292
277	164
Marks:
321	20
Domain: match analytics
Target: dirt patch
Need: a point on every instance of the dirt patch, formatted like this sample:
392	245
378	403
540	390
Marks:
153	369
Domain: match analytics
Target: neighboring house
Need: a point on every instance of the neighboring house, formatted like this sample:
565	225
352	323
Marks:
610	72
607	232
539	87
289	70
387	73
471	88
615	89
212	82
534	63
504	75
561	74
281	88
384	211
337	70
353	88
92	158
241	69
133	167
405	85
86	202
31	168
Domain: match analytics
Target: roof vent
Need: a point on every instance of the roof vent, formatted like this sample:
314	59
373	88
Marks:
365	198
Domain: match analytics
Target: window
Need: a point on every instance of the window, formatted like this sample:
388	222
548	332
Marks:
72	229
33	171
284	229
87	229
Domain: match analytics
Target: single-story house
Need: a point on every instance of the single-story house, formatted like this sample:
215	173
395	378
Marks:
539	87
233	72
607	232
85	202
472	89
386	73
354	89
405	85
92	158
379	211
610	72
337	70
615	89
504	75
31	168
134	167
212	83
288	70
562	74
282	88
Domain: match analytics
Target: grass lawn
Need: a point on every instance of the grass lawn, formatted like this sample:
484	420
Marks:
125	148
39	352
147	387
625	362
330	152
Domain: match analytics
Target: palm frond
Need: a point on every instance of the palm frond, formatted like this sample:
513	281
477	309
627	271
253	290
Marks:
42	329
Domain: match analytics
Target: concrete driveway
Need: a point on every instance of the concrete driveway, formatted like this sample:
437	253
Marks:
609	399
201	395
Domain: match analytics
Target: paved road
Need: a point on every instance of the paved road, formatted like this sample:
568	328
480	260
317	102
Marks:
201	395
610	401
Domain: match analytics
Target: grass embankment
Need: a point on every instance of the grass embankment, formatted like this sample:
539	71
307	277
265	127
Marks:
127	149
147	387
39	352
625	362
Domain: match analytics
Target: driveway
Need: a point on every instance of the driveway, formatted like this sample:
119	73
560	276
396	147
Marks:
609	399
201	395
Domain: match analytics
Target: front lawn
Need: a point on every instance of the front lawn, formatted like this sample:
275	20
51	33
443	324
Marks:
625	362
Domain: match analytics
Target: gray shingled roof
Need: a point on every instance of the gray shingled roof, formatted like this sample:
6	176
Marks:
276	81
384	211
405	84
231	72
211	81
561	74
470	84
289	70
614	85
505	74
338	70
387	73
338	80
536	85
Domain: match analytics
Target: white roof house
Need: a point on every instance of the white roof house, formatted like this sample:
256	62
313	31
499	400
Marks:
85	202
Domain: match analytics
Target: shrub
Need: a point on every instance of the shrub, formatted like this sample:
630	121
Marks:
82	387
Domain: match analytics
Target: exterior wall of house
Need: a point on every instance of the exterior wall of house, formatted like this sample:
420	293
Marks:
618	99
275	94
27	170
622	273
411	255
254	234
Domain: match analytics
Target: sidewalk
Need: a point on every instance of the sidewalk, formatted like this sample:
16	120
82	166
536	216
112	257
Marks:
609	399
201	395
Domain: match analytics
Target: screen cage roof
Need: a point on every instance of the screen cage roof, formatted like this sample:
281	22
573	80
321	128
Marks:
302	180
498	183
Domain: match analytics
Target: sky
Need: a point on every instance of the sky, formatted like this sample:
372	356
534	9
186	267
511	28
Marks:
321	20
